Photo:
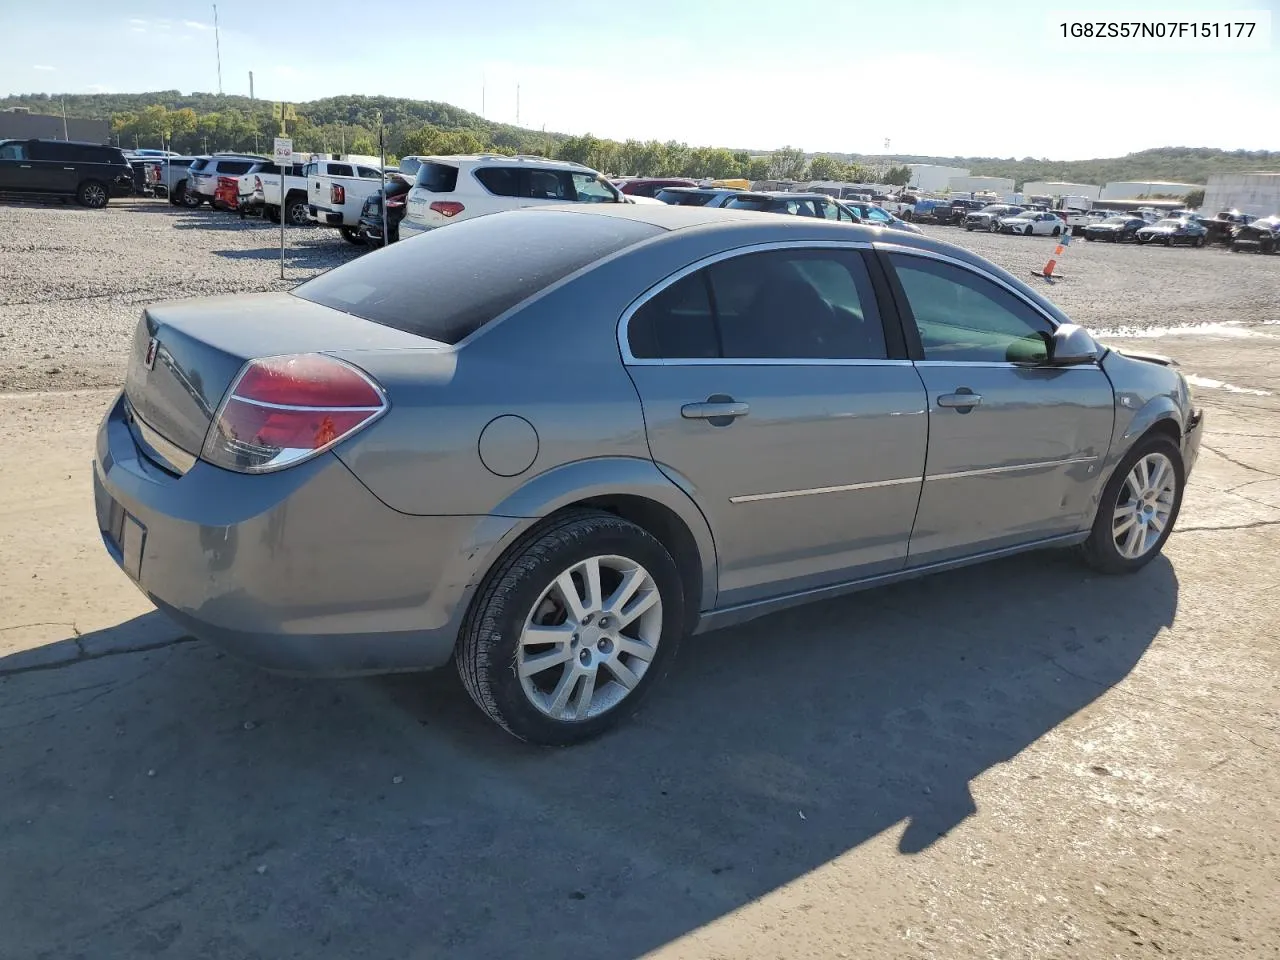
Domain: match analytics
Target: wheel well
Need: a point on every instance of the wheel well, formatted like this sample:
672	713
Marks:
294	195
671	532
1168	428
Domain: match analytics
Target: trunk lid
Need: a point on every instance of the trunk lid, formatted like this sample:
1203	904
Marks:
185	354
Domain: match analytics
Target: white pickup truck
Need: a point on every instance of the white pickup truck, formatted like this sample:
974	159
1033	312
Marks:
264	188
336	191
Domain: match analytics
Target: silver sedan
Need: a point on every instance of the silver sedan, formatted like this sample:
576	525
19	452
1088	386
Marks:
548	445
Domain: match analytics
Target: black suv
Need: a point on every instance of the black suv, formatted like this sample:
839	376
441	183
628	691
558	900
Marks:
90	172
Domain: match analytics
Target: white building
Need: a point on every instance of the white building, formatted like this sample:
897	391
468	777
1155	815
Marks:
1135	190
1255	193
931	177
1000	185
1056	188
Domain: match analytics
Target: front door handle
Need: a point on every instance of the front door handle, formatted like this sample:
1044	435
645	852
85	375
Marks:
24	166
963	400
715	408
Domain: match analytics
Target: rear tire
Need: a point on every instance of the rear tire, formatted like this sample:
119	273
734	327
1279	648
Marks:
352	236
271	212
995	227
1057	231
1029	232
1125	498
554	704
295	208
190	199
93	194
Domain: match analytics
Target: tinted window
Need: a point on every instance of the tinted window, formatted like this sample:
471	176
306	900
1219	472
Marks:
369	173
788	304
13	151
199	164
446	284
677	323
964	317
268	168
437	177
749	203
779	305
500	181
181	163
234	168
340	170
680	198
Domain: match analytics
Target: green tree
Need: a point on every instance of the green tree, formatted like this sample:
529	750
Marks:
858	173
757	169
363	145
898	176
1194	199
787	163
823	167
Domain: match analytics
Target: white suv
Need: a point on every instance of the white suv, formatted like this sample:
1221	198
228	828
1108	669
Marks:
451	189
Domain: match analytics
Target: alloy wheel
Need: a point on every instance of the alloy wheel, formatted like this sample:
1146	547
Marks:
589	638
95	195
1143	506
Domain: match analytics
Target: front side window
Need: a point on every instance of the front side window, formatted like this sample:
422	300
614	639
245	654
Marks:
310	170
877	215
341	170
368	173
13	151
773	305
965	318
592	188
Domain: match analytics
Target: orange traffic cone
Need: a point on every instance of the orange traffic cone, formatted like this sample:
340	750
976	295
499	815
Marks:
1058	251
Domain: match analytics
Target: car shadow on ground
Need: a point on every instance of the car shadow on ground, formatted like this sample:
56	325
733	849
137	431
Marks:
177	803
292	252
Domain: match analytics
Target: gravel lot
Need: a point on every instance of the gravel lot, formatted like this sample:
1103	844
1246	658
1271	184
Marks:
74	280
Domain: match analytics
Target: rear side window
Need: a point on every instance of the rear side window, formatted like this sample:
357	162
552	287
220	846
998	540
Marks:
437	177
500	181
340	170
199	164
779	305
369	173
233	168
446	284
268	168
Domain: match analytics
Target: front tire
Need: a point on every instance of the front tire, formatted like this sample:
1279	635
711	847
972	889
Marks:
190	199
572	629
1057	231
1030	231
93	194
1138	509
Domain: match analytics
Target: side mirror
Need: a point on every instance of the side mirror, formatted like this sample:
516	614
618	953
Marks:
1071	346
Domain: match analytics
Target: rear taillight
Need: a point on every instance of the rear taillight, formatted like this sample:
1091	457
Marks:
396	202
337	194
281	411
447	208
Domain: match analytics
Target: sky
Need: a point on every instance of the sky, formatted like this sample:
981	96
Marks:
931	77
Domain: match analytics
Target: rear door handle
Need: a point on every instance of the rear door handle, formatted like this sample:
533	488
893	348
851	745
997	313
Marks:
959	400
24	166
715	408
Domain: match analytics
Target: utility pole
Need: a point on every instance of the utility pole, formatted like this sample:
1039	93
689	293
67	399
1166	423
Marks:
217	46
65	135
482	92
517	104
250	84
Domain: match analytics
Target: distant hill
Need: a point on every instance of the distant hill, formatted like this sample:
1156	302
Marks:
1174	164
218	122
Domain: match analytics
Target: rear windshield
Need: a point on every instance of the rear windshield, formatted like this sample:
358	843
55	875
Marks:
681	198
449	282
437	177
199	163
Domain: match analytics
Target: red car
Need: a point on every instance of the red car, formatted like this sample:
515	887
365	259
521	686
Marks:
227	193
649	186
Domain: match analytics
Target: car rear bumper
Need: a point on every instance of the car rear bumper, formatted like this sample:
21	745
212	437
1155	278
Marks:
302	571
324	216
410	228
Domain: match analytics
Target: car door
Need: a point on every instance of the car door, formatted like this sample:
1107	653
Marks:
1015	445
17	172
774	396
53	167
